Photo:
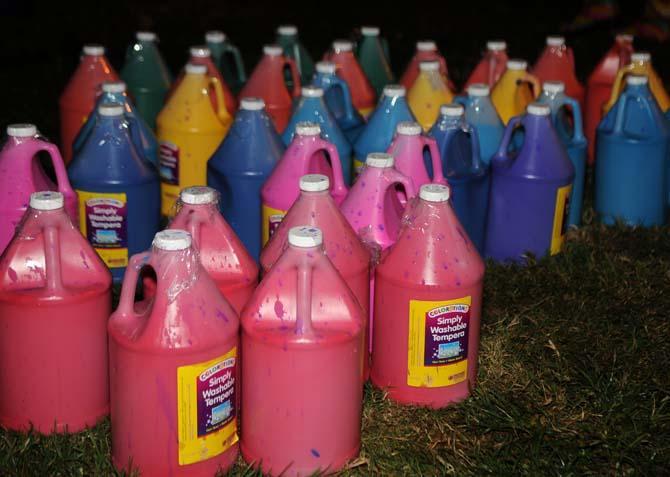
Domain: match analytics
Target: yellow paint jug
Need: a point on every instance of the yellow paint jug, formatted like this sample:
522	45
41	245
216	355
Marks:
429	91
189	130
515	90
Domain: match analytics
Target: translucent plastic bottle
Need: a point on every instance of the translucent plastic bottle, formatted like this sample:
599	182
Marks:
428	93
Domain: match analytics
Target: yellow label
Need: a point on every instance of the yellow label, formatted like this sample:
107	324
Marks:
560	218
169	195
207	408
271	219
358	167
437	348
103	220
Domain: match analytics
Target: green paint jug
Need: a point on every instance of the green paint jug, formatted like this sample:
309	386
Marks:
227	59
287	38
373	56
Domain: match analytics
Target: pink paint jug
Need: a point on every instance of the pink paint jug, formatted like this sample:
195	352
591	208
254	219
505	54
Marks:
173	367
305	155
302	340
425	51
21	175
55	298
491	67
428	296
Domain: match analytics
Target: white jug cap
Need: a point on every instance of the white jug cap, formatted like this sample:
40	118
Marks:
22	130
288	30
426	45
311	91
326	67
429	66
307	128
110	109
305	236
215	36
172	240
379	159
394	90
408	128
640	56
272	50
538	109
192	68
479	90
452	110
200	51
625	37
370	30
342	45
637	80
517	64
250	103
434	192
553	87
94	50
555	41
314	183
113	87
46	200
496	45
145	36
198	195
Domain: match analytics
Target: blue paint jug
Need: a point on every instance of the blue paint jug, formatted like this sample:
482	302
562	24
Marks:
338	99
632	158
571	133
311	108
464	170
530	190
482	115
140	133
119	191
240	166
380	129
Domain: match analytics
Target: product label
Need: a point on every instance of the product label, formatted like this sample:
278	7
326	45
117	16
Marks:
206	408
438	342
168	160
271	220
358	167
103	220
560	218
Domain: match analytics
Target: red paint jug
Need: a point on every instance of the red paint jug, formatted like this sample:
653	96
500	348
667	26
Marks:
362	93
55	298
425	51
173	367
428	297
302	340
489	70
78	99
557	63
267	82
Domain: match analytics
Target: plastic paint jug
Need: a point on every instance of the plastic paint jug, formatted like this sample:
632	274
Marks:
425	51
78	98
119	194
373	59
482	115
227	59
467	175
408	149
305	155
21	174
557	63
530	191
599	86
302	325
287	38
491	67
146	75
267	82
632	159
311	107
241	165
174	367
380	129
189	131
515	90
428	296
362	93
55	298
570	131
428	93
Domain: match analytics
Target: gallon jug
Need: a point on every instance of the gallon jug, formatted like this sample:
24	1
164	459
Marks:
267	82
491	67
305	155
189	131
173	368
428	296
338	99
21	174
146	75
348	68
55	298
482	115
409	149
599	86
467	175
119	194
530	191
78	99
312	108
557	63
515	90
632	159
241	165
302	325
425	51
143	137
373	59
227	59
568	126
378	132
428	93
287	38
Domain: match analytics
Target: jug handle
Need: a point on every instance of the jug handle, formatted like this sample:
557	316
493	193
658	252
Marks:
616	87
83	133
136	134
64	186
397	177
578	134
221	111
295	75
338	179
303	319
127	300
443	65
474	145
346	93
435	158
52	258
507	137
534	83
239	65
571	58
